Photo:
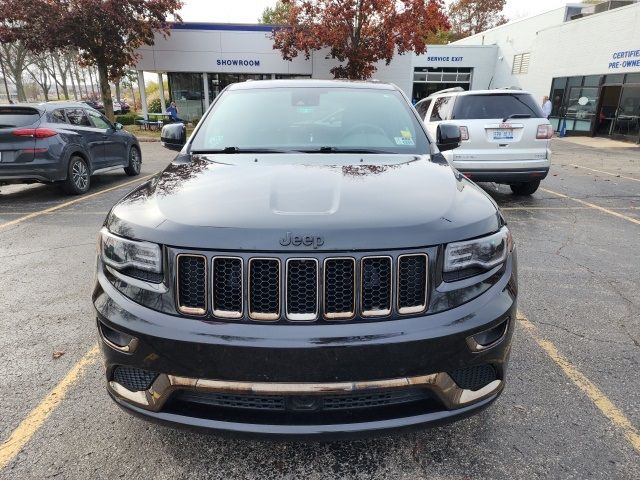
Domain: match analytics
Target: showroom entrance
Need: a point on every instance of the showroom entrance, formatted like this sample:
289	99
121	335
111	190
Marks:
597	105
619	111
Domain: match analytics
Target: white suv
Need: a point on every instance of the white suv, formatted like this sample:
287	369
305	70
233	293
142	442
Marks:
505	136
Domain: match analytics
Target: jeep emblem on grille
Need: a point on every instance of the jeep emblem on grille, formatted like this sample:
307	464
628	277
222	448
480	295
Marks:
298	240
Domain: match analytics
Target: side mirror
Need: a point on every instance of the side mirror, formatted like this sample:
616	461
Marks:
118	126
174	136
447	137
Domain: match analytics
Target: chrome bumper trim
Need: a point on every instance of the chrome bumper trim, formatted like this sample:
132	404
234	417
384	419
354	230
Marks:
441	384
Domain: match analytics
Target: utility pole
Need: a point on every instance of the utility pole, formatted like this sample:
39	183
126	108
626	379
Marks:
4	77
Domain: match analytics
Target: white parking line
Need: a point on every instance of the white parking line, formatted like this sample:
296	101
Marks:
71	202
592	205
606	173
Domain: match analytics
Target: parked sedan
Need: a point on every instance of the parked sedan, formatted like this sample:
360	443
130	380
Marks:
62	142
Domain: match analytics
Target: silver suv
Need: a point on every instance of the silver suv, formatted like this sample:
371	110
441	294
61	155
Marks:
505	136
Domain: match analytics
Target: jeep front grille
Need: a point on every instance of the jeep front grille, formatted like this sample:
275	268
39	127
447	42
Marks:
412	283
192	284
339	288
264	289
302	289
227	287
376	286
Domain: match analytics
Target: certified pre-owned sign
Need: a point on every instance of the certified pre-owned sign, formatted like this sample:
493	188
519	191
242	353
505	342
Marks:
237	62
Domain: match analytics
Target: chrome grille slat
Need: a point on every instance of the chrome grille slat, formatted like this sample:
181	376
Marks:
412	283
191	284
264	289
301	289
227	281
339	288
375	286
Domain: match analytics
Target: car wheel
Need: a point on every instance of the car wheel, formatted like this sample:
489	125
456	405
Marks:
526	188
78	177
135	162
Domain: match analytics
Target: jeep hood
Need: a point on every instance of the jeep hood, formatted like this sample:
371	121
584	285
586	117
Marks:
251	202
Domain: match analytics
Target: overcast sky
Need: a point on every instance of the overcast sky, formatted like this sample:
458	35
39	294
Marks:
248	11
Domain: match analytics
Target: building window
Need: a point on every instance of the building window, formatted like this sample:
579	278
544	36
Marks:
187	91
427	80
521	63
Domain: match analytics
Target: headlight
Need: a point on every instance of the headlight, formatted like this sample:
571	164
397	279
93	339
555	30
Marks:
125	255
485	252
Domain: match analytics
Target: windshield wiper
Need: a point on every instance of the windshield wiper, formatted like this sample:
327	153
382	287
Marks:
6	126
516	115
241	150
343	150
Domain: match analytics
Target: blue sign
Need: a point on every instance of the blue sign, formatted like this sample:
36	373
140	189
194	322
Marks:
625	59
239	62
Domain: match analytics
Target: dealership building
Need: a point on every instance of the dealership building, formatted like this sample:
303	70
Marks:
586	58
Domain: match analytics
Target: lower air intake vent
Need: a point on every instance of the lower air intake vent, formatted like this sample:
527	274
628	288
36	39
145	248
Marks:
134	379
474	378
192	284
376	286
264	289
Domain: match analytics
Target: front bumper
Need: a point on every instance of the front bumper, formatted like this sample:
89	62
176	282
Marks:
306	364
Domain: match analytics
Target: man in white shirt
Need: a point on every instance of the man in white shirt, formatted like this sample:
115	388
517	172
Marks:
546	106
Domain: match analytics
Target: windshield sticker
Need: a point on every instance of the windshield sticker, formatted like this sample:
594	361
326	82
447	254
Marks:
406	134
216	139
407	142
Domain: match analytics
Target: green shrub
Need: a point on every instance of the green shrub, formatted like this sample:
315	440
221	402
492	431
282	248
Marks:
155	106
126	119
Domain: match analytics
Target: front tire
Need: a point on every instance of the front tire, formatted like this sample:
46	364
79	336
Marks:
526	188
78	178
135	162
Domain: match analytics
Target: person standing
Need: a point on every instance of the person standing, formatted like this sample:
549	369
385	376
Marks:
546	106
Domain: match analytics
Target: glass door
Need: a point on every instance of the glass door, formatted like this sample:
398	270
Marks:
609	101
627	122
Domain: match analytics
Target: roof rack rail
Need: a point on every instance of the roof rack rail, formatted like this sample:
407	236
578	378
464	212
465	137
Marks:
448	90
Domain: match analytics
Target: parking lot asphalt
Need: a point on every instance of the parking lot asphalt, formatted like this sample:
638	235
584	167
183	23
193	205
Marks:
571	408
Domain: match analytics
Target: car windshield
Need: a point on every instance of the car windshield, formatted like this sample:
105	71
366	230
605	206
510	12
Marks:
496	105
308	119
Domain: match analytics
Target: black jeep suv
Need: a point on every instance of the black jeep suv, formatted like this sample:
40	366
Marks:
309	264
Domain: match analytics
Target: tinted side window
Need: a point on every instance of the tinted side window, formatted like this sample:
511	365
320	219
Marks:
57	116
441	109
98	120
77	117
496	106
423	108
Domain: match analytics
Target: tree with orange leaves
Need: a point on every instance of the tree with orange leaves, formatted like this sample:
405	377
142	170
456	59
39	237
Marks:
359	33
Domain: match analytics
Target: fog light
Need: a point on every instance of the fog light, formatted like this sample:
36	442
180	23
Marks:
488	338
120	341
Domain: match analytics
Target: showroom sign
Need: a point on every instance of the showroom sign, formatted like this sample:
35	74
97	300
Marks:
237	62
